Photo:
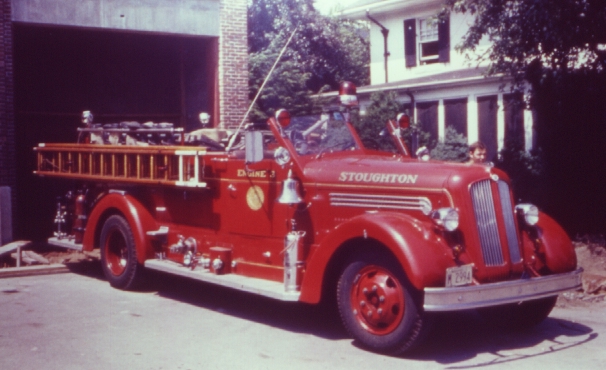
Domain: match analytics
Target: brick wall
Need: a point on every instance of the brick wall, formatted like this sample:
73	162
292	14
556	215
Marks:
7	121
233	63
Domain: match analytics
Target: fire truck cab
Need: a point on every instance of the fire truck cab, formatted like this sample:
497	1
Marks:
298	209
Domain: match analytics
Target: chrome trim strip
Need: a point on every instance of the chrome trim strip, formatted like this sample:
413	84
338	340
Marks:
494	294
422	204
267	288
330	186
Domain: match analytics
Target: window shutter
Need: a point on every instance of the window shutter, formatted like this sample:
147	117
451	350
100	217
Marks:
410	42
444	40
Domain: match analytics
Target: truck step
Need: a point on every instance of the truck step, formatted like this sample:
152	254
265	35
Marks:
64	243
271	289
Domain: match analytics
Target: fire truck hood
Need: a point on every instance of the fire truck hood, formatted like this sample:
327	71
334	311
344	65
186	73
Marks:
395	171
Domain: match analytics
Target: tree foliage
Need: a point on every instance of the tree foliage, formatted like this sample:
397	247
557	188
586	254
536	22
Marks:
535	40
383	107
323	52
524	168
454	148
559	49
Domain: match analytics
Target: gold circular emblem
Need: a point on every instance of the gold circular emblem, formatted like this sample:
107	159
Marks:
255	197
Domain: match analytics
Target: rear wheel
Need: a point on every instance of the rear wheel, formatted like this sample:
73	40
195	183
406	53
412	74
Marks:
378	306
119	254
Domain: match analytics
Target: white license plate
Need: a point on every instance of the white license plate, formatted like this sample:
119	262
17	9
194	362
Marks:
459	276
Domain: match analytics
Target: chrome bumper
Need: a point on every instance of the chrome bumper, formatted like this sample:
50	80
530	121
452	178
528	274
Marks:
494	294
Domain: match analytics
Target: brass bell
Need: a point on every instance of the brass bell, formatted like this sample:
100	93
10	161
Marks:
290	191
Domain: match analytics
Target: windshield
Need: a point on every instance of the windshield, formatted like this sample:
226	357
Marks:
326	133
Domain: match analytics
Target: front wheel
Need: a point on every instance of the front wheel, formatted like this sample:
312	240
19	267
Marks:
378	306
119	254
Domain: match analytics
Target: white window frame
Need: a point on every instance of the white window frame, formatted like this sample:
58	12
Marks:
428	33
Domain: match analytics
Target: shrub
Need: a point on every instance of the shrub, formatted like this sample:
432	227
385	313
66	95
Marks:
526	170
454	147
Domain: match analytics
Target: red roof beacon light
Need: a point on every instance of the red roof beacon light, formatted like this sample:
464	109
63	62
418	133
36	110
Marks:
347	94
403	120
283	117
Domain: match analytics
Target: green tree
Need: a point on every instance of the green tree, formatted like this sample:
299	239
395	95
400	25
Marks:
324	52
537	40
524	168
558	49
383	107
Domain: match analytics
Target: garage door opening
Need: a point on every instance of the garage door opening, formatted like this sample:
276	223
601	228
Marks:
119	76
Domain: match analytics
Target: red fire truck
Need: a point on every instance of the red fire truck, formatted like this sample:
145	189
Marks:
298	209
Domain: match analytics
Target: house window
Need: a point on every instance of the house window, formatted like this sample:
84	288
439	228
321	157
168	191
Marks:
455	115
428	41
487	118
514	119
427	115
430	45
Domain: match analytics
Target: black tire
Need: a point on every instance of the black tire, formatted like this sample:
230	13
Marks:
519	316
393	324
119	254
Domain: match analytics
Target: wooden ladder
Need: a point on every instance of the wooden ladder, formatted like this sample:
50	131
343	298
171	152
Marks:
153	165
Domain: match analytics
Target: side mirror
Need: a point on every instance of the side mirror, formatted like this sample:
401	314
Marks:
253	142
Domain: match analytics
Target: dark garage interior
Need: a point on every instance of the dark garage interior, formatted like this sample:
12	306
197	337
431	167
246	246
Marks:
119	76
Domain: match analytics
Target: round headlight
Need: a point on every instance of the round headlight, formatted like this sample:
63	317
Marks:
448	218
529	212
282	156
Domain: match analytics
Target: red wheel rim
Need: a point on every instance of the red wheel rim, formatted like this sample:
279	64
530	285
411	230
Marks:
116	252
377	300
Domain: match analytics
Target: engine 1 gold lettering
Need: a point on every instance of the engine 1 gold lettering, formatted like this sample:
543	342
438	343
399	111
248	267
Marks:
256	174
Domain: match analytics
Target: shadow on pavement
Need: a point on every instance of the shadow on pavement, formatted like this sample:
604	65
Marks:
464	340
456	340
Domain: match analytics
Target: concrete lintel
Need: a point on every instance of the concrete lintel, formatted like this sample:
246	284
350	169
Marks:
189	17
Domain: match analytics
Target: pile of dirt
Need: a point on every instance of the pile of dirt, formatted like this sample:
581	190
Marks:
41	253
591	256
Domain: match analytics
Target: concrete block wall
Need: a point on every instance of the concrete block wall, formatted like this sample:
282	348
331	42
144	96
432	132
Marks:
233	63
7	119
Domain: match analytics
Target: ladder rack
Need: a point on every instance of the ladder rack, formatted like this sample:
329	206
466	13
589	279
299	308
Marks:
153	165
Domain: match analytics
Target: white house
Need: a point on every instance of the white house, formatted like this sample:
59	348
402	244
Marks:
413	53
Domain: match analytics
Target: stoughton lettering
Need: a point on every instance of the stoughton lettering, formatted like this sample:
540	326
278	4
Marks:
382	178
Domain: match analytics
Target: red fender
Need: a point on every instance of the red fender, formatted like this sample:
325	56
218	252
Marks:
423	256
138	217
559	251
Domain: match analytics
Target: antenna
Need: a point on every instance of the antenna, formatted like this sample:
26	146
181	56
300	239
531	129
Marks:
235	135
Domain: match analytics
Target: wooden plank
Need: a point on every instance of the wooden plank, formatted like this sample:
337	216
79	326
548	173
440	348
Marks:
24	258
35	256
11	247
33	270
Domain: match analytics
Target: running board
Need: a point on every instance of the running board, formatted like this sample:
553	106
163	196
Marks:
267	288
64	243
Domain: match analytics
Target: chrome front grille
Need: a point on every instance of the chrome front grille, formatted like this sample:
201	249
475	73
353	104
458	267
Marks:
483	206
422	204
487	223
486	220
